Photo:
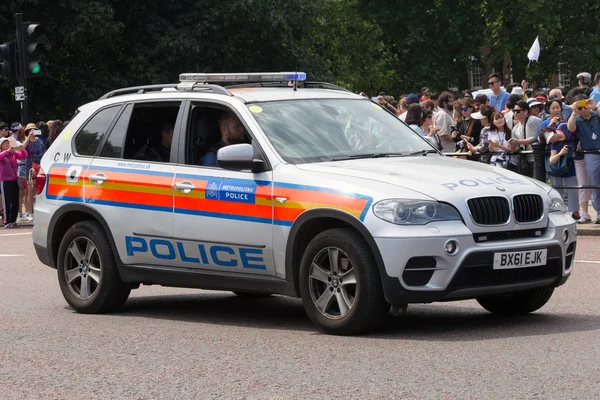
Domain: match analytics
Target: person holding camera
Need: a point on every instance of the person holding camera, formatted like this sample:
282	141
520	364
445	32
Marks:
35	150
560	165
9	178
585	124
524	134
466	128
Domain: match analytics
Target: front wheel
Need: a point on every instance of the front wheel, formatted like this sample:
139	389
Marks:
87	270
517	303
340	284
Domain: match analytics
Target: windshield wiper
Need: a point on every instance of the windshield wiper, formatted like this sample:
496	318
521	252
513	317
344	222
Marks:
368	155
422	153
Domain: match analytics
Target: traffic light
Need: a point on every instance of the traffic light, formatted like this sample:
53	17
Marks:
32	50
7	61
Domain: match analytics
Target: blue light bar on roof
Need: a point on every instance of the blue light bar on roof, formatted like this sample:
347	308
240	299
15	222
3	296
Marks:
244	77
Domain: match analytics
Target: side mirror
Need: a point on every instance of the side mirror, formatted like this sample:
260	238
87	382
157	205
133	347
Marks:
239	157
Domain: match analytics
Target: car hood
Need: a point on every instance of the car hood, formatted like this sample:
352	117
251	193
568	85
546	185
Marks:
441	178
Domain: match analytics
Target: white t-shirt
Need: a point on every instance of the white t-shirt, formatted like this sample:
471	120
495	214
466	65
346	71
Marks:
532	130
444	120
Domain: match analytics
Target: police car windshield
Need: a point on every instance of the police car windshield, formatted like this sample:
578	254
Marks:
308	131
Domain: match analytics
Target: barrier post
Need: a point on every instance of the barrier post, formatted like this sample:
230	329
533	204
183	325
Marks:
539	161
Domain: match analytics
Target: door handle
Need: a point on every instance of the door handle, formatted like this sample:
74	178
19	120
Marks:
185	187
98	178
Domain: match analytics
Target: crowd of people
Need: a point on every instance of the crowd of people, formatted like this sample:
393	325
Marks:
493	128
21	151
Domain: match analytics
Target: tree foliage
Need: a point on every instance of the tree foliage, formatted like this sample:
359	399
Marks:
94	46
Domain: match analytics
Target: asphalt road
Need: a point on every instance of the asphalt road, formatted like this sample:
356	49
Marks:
190	344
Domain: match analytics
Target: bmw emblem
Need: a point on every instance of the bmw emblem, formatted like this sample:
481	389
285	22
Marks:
500	188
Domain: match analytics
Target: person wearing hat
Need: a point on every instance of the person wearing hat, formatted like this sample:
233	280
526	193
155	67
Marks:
584	79
30	167
8	180
467	127
535	108
410	99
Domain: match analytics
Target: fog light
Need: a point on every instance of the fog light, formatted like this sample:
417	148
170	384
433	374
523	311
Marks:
565	236
451	247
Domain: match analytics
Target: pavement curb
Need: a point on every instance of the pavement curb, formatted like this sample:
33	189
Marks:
588	232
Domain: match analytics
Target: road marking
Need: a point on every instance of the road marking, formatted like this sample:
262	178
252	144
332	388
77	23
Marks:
15	234
11	255
587	262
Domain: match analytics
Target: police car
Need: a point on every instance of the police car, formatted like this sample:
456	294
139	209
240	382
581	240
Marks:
317	193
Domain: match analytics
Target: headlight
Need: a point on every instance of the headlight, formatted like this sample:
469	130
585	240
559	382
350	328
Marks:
555	202
415	212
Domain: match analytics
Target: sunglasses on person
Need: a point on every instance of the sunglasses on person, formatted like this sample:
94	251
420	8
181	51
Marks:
463	109
517	111
581	108
491	83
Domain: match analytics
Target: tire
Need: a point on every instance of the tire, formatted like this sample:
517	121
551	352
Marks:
253	295
517	303
334	306
105	290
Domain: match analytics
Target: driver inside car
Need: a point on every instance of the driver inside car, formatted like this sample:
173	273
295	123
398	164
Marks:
232	132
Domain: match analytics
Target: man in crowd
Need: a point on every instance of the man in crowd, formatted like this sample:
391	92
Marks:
444	120
585	123
498	98
596	89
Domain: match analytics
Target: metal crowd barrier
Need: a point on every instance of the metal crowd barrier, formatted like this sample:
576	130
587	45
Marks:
539	162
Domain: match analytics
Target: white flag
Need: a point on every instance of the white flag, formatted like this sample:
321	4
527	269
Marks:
534	51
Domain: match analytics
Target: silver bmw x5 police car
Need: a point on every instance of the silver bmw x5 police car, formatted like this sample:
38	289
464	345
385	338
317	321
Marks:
326	196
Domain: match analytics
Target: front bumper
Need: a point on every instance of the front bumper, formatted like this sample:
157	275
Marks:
417	268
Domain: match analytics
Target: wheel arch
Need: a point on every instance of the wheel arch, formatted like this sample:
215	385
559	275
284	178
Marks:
310	224
64	218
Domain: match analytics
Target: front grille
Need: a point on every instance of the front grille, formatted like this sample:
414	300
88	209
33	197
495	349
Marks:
508	235
528	208
477	271
570	255
489	210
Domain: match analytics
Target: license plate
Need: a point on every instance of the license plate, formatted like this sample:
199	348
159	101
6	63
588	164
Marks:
520	259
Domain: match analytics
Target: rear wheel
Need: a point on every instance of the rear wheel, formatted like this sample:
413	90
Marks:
87	271
517	303
340	284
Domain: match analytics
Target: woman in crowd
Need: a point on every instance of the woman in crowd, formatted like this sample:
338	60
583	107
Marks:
492	139
431	133
414	118
9	177
524	133
559	163
54	129
35	151
554	107
468	129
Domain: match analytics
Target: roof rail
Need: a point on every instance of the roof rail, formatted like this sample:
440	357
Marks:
179	86
305	84
138	89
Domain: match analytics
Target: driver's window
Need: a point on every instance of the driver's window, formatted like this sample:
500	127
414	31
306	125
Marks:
209	129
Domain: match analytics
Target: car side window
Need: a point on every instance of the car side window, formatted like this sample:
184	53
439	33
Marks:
204	136
148	135
89	137
113	147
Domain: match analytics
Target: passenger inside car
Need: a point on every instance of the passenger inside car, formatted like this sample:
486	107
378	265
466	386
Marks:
232	132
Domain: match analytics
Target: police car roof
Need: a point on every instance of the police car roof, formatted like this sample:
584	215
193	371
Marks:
255	94
244	94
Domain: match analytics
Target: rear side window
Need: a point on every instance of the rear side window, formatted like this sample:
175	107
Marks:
90	136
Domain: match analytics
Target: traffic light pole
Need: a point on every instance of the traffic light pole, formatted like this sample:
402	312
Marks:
21	68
